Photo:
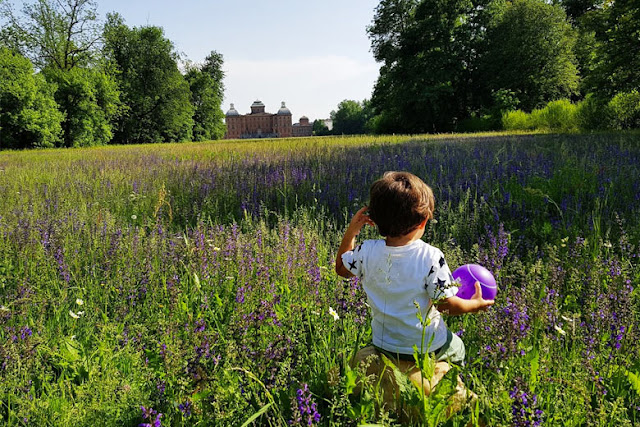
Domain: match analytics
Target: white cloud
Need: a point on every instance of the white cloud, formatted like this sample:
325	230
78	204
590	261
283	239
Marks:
311	86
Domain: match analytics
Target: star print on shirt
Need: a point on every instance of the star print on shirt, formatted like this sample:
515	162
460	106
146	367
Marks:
431	271
441	283
352	265
442	261
358	248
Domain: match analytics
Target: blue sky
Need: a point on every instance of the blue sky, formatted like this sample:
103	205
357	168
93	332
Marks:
311	55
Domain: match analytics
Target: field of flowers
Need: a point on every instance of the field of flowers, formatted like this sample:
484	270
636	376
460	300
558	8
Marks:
191	284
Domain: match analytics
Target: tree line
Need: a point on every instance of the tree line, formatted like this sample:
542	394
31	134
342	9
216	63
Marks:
69	80
458	65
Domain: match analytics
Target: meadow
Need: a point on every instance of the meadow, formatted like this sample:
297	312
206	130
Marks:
191	284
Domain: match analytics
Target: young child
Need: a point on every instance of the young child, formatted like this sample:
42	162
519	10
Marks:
401	272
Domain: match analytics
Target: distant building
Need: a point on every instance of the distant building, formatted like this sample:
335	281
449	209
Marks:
303	128
260	124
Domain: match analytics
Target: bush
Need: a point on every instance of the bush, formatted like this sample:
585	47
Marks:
558	115
593	114
516	120
625	110
536	120
477	124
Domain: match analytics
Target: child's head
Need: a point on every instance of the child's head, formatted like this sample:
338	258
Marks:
399	203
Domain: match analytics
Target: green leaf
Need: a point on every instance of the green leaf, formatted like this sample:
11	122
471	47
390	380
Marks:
350	380
73	353
255	416
634	381
534	361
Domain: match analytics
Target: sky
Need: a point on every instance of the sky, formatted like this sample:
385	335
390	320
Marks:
310	54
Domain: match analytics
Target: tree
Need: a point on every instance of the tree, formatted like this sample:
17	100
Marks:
320	128
577	8
350	119
29	116
156	97
616	68
207	91
61	38
429	52
530	52
90	100
63	34
392	18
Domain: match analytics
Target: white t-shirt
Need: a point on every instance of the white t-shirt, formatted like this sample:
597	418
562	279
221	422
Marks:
393	277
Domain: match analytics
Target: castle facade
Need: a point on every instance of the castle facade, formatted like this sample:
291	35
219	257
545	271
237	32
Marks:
260	124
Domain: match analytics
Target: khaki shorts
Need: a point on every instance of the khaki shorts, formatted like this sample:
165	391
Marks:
452	351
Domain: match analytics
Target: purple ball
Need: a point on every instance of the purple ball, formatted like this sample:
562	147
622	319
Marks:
468	275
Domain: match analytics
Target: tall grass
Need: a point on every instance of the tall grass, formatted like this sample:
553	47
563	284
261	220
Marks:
191	283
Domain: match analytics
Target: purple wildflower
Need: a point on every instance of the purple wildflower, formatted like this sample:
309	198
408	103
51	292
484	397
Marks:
305	411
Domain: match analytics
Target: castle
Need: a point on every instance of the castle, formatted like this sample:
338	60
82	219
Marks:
259	124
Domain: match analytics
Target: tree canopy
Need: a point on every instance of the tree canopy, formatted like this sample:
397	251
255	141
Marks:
155	95
29	116
446	63
81	82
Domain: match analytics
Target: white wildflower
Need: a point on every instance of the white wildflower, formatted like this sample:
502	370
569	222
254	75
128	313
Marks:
72	314
79	301
216	249
566	319
607	244
334	314
3	308
81	313
134	217
559	329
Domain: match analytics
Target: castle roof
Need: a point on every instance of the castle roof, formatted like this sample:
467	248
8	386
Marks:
284	111
232	111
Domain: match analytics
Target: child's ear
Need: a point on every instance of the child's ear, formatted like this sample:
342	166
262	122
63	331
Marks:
423	224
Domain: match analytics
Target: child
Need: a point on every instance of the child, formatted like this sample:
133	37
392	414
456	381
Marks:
401	273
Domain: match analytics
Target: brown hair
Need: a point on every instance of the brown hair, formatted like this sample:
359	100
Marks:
399	202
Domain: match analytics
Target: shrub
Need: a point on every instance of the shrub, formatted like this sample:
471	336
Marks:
477	124
558	115
593	114
625	110
536	120
516	120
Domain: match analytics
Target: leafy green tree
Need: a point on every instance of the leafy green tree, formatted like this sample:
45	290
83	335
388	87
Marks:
61	34
530	52
61	38
616	66
90	99
577	8
429	52
29	116
349	119
207	91
320	128
156	96
392	18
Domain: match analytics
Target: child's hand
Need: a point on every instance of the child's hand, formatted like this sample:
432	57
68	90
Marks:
359	220
482	304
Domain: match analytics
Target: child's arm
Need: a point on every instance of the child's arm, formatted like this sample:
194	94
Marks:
349	240
454	305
